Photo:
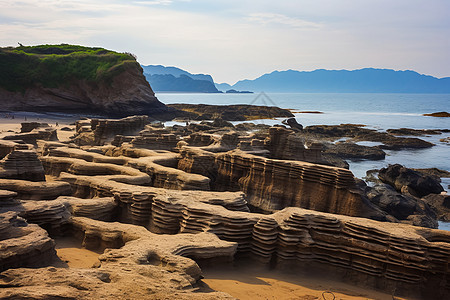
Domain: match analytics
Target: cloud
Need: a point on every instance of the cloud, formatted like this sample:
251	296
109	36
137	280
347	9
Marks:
243	39
272	18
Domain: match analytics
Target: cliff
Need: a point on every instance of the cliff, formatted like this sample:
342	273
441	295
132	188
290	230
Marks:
75	79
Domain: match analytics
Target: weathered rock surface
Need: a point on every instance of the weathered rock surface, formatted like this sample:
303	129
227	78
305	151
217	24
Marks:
285	144
275	184
23	244
146	266
29	126
22	164
292	122
100	131
417	184
166	194
36	190
40	133
7	199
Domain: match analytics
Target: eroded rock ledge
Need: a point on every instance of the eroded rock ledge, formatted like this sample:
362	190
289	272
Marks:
172	200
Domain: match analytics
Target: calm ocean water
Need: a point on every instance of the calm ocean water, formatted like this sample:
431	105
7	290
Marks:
378	111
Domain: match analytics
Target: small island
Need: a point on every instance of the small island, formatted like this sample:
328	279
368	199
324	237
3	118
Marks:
441	114
238	92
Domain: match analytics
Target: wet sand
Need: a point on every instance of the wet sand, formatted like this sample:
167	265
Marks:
250	283
72	255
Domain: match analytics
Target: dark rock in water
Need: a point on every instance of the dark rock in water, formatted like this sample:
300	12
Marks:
441	204
292	122
417	184
354	151
441	114
359	133
405	143
221	123
417	132
434	172
230	112
402	207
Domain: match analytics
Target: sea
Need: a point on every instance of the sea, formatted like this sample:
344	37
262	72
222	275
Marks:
378	111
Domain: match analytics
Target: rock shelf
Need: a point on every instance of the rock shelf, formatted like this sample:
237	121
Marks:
160	203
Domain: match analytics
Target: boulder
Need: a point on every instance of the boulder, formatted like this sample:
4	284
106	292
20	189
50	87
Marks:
417	184
403	207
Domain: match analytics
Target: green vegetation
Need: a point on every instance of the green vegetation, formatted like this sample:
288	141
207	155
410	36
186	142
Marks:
53	66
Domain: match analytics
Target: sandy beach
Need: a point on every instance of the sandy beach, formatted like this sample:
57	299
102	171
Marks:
10	123
250	282
72	255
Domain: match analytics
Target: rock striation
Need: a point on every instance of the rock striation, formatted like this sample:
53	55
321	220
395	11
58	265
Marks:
23	244
22	164
271	185
285	144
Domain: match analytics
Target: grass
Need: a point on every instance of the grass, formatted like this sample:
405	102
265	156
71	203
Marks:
52	66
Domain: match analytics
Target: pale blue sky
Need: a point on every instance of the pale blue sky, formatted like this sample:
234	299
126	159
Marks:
233	40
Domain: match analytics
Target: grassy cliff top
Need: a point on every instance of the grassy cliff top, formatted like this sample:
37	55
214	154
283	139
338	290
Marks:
52	66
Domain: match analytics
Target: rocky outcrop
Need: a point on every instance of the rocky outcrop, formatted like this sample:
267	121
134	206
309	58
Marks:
285	144
405	208
7	199
275	184
441	114
29	126
440	204
36	190
138	264
106	83
6	147
22	164
230	112
155	139
354	151
23	244
101	131
40	133
407	180
292	122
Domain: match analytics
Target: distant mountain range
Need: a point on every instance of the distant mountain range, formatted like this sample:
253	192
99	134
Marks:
368	80
172	79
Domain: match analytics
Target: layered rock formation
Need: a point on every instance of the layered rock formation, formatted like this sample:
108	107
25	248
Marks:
284	144
170	220
22	164
275	184
23	244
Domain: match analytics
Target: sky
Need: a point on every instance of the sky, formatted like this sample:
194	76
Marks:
243	39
